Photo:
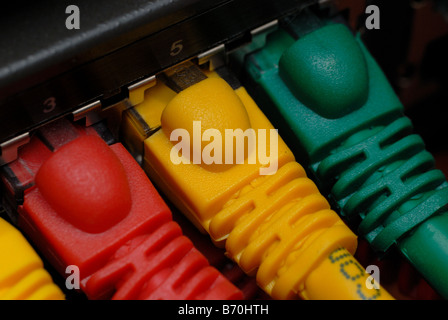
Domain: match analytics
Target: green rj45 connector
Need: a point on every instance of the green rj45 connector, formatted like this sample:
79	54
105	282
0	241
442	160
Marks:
332	97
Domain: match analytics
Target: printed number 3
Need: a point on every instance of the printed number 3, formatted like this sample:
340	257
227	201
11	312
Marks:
49	104
176	48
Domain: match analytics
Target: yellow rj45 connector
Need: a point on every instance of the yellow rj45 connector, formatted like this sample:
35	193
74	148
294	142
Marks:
277	227
22	275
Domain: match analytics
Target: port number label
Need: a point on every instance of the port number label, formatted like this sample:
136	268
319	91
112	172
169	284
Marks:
49	105
176	48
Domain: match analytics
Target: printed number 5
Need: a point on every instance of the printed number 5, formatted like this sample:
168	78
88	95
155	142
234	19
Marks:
176	48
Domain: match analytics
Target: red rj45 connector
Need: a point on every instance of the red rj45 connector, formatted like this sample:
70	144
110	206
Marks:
89	204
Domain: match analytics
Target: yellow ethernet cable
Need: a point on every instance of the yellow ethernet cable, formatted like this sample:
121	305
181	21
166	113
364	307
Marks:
277	227
22	276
